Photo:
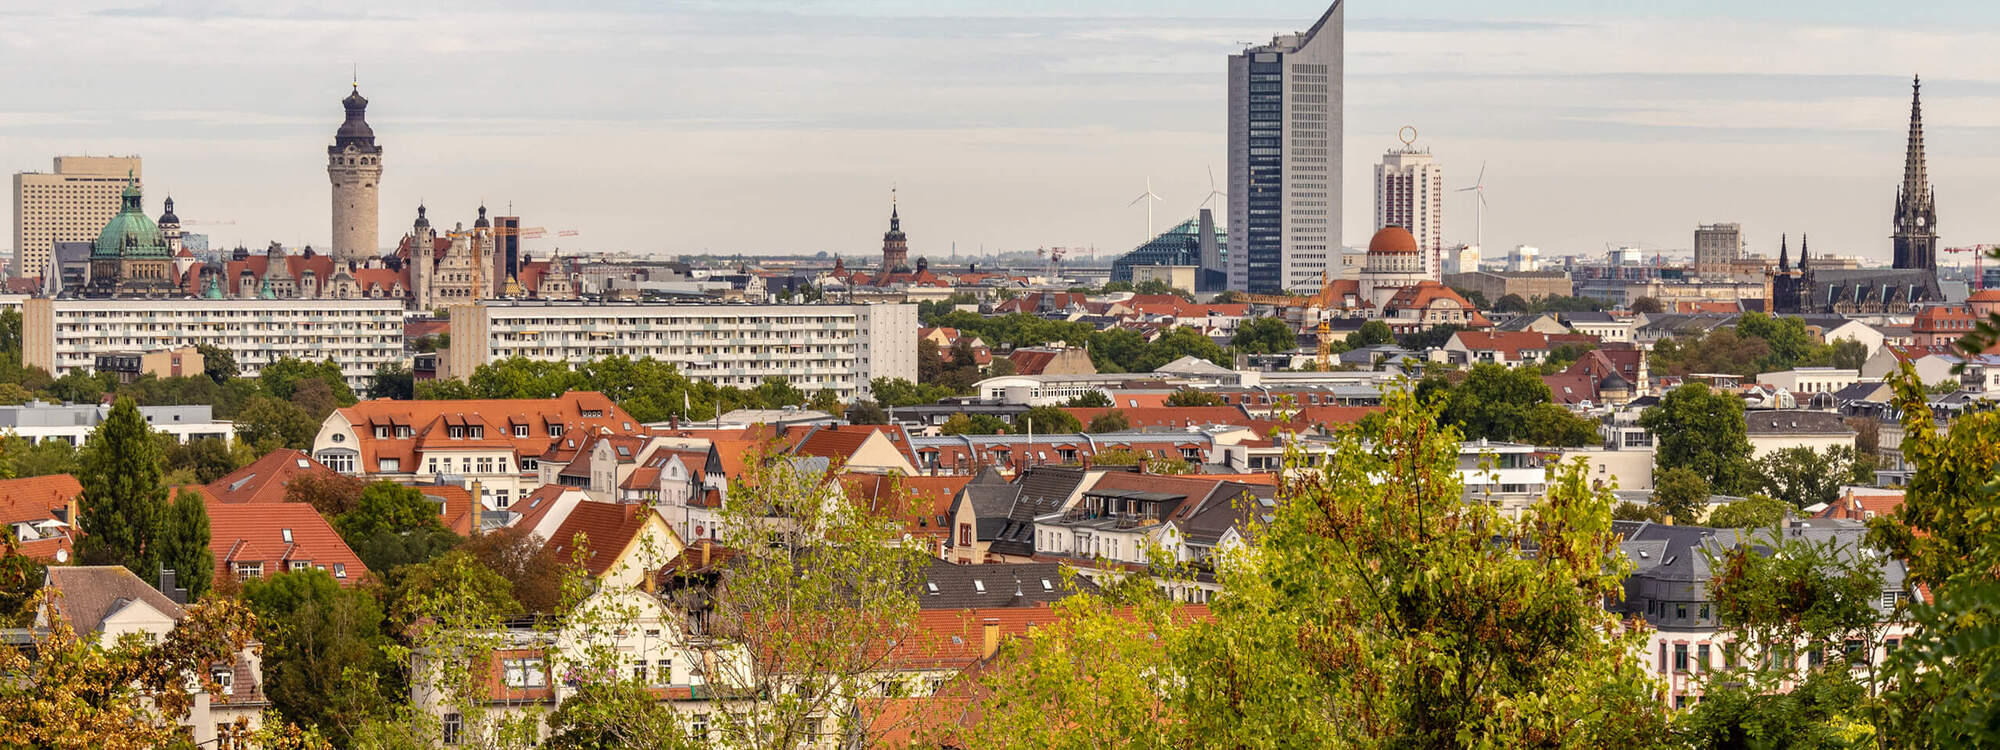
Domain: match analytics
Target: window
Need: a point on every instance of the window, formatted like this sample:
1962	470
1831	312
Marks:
1701	657
1680	657
249	571
663	672
340	570
530	464
698	728
555	431
286	534
1704	610
340	462
453	725
520	430
525	673
639	671
965	534
224	677
1680	610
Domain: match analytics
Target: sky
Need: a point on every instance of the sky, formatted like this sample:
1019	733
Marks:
761	126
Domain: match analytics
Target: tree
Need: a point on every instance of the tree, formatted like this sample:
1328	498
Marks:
209	458
330	494
832	568
900	392
392	380
1372	333
930	361
1110	421
184	543
325	654
20	577
1156	286
1680	493
126	696
458	572
1000	367
282	378
1703	431
1848	354
1801	476
524	559
776	393
1264	336
273	423
827	400
1507	404
392	526
1092	399
22	460
1474	296
123	501
973	424
1648	306
1046	420
1753	512
618	715
1192	397
1631	511
866	412
1778	596
1510	303
1412	619
217	363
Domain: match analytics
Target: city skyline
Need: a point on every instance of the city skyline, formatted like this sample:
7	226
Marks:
1027	128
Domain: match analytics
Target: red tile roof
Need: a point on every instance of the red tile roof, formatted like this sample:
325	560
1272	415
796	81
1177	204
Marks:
256	533
607	529
36	498
1509	343
429	422
265	479
1165	416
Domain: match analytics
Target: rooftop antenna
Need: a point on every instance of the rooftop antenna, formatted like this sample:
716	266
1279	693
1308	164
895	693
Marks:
1148	198
1478	191
1212	191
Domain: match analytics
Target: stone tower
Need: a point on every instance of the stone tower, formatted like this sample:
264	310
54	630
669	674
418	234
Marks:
1916	216
354	165
422	263
895	247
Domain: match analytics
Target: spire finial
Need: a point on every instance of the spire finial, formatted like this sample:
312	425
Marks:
355	77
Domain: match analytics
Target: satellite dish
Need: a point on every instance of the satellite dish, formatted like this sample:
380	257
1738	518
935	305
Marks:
62	555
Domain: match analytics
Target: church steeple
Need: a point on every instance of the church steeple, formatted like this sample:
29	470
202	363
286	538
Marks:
1802	252
1916	213
1784	255
895	246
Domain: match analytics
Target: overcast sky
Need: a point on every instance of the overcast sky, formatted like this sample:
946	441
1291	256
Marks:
766	126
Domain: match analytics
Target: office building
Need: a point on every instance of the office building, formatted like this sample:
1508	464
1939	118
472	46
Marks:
70	204
1195	243
354	165
1717	247
37	421
1285	158
506	233
1409	193
66	335
840	347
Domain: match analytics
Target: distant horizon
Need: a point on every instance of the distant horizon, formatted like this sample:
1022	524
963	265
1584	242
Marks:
769	128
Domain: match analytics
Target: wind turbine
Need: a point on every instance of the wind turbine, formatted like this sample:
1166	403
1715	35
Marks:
1212	191
1149	199
1478	190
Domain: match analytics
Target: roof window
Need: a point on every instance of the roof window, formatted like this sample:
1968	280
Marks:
287	533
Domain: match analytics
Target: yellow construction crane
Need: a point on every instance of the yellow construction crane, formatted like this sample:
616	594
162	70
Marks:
1325	345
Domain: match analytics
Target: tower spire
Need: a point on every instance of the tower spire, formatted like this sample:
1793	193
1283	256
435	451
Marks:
1802	252
1784	254
1916	212
1915	182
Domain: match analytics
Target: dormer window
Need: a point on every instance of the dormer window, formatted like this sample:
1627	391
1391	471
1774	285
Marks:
455	432
520	430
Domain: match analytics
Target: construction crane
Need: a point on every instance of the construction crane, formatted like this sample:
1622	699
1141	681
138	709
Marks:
1978	267
1325	346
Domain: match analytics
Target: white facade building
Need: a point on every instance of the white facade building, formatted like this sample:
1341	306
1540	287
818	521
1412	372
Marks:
840	347
1409	193
66	335
72	423
1285	157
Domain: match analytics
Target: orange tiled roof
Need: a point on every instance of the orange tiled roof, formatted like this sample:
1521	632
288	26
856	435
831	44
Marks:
429	423
36	498
1511	343
1142	417
607	528
256	533
265	479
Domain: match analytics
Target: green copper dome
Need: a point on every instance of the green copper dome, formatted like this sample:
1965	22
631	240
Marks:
130	234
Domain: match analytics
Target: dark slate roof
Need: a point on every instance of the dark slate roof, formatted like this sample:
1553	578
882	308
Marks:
1206	523
1040	491
1795	422
995	585
1861	392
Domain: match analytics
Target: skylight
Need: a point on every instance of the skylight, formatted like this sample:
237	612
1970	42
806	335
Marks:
288	536
979	585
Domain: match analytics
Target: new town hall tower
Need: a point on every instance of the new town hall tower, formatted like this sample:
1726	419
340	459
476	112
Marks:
354	164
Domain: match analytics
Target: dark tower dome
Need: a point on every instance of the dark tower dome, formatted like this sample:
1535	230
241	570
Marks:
481	222
354	130
169	217
423	222
923	264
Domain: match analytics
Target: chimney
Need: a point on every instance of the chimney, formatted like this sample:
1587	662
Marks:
178	595
989	642
478	502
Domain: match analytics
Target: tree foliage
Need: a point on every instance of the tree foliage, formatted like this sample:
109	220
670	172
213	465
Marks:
1680	493
1753	512
184	537
1192	397
973	424
1703	430
1496	402
1110	421
124	502
1046	420
1801	476
326	659
1264	336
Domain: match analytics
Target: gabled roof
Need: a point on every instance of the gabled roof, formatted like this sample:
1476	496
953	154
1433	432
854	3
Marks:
92	593
430	424
608	529
277	535
944	585
265	479
1165	416
36	498
1795	422
1509	343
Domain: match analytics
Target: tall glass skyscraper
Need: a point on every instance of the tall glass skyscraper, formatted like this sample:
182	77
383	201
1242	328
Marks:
1284	158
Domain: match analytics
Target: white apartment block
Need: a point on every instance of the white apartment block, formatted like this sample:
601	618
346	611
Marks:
841	347
1409	193
37	421
1804	381
70	204
66	335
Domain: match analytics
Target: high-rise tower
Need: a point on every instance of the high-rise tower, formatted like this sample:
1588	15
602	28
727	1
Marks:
1409	193
895	247
1285	158
1916	216
354	164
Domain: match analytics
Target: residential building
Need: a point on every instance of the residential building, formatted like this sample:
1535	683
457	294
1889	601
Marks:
104	603
254	540
1672	589
1942	325
40	516
1285	124
165	363
1409	193
1810	380
354	166
37	421
1509	476
71	203
1717	247
1773	430
837	347
943	585
495	444
1499	347
620	545
66	335
265	480
1052	360
1606	327
1428	304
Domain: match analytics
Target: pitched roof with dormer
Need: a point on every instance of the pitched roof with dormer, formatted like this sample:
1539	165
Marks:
264	480
278	537
402	430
